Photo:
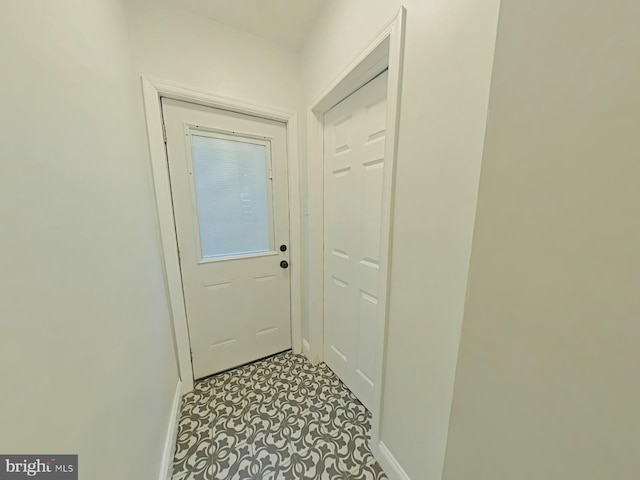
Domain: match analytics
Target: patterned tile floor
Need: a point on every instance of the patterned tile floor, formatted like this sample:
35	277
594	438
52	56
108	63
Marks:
279	418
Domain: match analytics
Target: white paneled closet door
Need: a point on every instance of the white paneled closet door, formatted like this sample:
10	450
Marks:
354	140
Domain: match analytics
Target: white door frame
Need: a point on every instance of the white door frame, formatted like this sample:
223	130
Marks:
153	89
384	50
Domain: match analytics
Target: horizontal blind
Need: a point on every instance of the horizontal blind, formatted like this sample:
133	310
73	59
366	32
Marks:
232	196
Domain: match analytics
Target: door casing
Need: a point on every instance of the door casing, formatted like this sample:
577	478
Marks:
384	51
153	89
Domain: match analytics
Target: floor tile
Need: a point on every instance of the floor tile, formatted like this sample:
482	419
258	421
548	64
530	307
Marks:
230	461
281	418
203	474
193	452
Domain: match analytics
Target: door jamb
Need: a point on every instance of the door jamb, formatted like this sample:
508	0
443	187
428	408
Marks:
384	50
153	89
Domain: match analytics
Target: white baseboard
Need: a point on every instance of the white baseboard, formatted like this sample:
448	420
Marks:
166	467
389	464
306	349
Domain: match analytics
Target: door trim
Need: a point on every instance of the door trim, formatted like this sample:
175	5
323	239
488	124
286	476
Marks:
384	51
152	90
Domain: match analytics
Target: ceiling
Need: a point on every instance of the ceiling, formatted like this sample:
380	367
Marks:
283	21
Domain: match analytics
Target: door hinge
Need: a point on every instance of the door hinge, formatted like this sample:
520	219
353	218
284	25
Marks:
164	133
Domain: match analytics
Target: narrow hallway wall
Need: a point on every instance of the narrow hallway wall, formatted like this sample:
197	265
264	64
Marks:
547	383
179	46
86	350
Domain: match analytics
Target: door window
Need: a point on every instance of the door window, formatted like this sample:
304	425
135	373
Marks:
231	176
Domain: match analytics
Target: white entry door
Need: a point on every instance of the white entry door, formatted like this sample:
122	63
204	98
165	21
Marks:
230	198
353	167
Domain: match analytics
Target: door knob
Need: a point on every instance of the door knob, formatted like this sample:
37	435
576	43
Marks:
284	264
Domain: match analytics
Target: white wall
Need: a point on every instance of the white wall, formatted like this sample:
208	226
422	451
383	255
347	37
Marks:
173	44
449	54
547	383
87	363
